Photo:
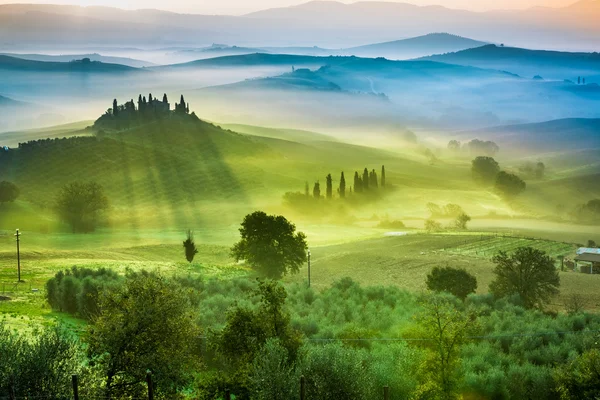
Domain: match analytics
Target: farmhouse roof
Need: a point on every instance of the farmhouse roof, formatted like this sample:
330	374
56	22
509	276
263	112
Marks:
590	257
583	250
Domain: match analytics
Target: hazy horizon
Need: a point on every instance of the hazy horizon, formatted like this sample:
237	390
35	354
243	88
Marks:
236	7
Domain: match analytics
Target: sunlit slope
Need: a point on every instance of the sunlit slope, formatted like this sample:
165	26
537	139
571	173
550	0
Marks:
12	139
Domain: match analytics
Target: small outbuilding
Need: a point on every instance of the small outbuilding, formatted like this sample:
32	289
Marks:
590	261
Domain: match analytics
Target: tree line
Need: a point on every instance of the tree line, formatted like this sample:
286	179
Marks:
363	183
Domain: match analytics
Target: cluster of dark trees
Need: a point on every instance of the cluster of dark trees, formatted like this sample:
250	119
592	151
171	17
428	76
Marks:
486	172
363	183
533	170
475	147
588	212
151	104
580	80
56	144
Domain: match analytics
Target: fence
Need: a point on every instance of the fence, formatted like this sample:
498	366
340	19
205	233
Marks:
228	394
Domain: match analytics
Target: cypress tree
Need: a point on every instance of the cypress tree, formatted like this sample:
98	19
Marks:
115	107
140	103
187	109
342	186
583	80
357	183
383	176
306	190
578	80
150	98
373	180
165	98
317	191
329	190
144	100
365	180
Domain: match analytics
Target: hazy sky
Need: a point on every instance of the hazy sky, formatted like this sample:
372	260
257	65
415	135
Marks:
243	6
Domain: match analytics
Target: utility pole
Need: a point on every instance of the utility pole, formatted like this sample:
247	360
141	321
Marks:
308	267
18	235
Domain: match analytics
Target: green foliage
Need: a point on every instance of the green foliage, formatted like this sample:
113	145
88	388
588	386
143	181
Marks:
484	170
342	188
77	290
317	190
528	272
273	375
329	187
146	324
38	367
461	221
270	244
509	185
447	327
432	226
82	205
452	280
190	247
580	379
9	192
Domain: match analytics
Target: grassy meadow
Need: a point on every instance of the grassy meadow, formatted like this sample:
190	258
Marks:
165	177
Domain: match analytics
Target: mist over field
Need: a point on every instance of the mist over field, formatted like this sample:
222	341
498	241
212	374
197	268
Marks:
288	204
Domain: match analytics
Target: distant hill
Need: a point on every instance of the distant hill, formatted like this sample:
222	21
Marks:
7	102
130	62
552	136
433	43
549	64
8	63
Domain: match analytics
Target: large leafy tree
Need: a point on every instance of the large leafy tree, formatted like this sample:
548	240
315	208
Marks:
509	185
146	324
528	272
270	244
484	170
8	192
82	205
452	280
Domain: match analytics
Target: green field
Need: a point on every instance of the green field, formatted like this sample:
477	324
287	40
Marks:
171	175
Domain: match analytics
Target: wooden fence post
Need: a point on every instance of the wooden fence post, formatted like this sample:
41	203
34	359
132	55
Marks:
227	394
75	387
302	388
150	388
386	393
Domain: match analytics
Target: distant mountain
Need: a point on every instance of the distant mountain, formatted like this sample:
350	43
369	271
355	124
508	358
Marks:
130	62
433	43
6	102
552	136
21	65
326	24
549	64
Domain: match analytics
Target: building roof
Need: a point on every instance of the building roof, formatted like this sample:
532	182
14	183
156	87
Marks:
589	257
583	250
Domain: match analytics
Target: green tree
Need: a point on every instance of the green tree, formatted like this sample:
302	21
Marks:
452	280
150	99
365	180
357	183
82	205
115	108
190	246
317	190
9	192
270	245
509	185
580	379
484	170
165	100
447	327
273	375
145	324
383	176
432	226
329	187
373	180
342	186
306	189
461	221
528	272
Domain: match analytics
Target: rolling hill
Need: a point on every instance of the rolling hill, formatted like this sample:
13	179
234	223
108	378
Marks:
130	62
8	63
549	64
433	43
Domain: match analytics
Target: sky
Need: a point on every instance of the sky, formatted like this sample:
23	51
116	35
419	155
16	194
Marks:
237	7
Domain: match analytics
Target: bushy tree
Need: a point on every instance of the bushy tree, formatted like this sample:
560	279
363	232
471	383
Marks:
9	192
580	379
432	226
455	281
82	205
528	272
454	145
509	185
145	324
461	221
190	246
484	170
273	375
270	244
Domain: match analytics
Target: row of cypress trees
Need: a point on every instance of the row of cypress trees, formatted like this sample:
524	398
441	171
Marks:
368	182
